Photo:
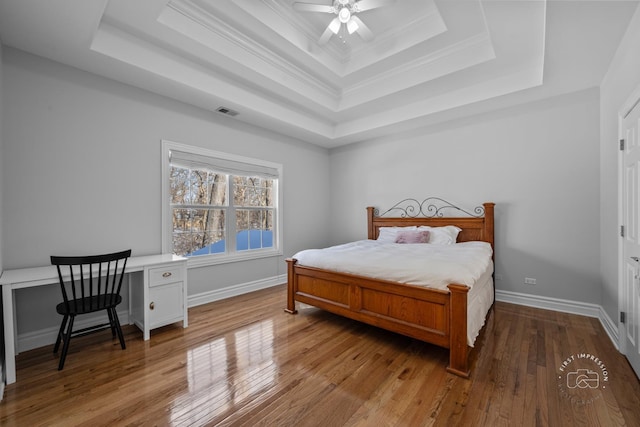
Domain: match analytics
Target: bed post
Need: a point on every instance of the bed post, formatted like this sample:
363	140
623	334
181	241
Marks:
487	232
371	231
458	348
291	288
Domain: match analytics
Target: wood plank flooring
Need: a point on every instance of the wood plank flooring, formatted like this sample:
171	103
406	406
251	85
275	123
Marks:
243	361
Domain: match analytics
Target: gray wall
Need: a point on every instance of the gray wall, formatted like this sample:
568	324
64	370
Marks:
538	162
621	80
83	156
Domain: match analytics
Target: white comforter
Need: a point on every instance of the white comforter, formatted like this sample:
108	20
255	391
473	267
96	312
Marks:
429	265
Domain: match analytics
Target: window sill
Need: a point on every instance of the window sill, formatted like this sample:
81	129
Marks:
208	260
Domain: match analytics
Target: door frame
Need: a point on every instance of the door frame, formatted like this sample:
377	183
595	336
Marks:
632	101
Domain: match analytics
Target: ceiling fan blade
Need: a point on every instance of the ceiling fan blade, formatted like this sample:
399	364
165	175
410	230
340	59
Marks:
363	5
307	7
362	29
329	31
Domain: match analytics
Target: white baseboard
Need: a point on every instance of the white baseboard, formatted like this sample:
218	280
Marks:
235	290
610	328
4	380
47	336
564	306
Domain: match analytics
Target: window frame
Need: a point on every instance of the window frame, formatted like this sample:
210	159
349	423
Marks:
230	254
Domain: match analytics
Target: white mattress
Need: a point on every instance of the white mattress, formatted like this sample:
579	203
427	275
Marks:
434	266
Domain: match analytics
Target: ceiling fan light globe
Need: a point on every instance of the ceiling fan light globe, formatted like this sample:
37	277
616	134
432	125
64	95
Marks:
352	26
344	15
334	26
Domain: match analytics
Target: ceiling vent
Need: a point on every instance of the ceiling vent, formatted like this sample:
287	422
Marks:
227	111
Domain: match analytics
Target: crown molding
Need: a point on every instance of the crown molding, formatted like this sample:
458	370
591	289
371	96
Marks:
283	9
427	26
414	31
466	53
259	51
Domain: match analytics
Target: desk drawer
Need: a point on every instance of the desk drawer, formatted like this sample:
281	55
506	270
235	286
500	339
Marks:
167	274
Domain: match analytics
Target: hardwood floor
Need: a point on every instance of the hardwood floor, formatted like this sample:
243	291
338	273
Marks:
243	361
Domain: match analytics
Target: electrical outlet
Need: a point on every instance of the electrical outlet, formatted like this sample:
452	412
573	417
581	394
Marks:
529	281
498	277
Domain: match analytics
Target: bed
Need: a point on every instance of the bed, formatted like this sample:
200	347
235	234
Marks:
437	316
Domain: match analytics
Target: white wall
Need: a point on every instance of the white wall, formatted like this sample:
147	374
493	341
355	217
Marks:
622	78
1	153
538	162
1	215
82	166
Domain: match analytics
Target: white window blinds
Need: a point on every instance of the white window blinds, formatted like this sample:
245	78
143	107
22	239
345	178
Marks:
219	164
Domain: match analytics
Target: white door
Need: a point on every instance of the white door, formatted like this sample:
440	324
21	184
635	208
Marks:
630	294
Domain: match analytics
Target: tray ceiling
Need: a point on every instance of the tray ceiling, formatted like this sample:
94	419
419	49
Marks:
262	59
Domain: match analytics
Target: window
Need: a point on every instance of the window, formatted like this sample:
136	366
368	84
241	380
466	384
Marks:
219	207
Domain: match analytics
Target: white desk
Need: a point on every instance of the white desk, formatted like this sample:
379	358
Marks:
39	276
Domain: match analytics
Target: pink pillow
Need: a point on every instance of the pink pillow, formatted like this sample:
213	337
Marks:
417	236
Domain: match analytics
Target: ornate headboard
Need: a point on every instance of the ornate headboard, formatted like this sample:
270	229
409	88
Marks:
476	225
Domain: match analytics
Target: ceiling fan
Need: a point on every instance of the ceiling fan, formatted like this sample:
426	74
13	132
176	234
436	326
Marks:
345	11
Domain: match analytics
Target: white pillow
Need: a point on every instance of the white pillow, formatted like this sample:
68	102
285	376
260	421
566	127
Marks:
447	235
389	234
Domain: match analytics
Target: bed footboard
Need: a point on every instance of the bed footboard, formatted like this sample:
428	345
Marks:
431	315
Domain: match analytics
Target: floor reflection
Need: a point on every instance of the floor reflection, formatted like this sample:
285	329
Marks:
224	373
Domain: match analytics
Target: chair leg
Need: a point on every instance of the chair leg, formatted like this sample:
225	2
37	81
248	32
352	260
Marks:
60	332
111	323
118	328
65	347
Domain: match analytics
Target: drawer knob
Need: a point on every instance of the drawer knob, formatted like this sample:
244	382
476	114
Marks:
167	274
151	305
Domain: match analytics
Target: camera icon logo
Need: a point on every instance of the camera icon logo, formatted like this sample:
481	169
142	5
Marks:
583	378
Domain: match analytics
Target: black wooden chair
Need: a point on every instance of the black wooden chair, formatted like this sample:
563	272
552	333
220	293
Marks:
89	284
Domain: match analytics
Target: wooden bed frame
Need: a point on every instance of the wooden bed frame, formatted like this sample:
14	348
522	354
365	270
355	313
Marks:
431	315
